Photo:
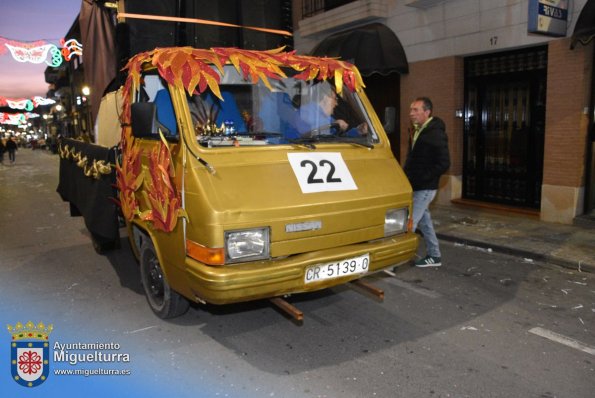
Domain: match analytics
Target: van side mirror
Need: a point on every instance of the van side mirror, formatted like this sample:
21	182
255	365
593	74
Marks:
144	120
390	115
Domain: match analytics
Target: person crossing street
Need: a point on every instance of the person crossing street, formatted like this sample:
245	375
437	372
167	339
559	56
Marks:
427	160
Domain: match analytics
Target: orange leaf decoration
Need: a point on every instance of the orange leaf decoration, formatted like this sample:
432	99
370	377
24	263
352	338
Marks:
129	179
191	68
165	202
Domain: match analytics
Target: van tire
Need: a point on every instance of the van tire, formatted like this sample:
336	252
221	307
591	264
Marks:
102	245
163	300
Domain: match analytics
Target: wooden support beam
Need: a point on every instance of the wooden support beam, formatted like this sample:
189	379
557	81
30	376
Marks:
368	288
288	308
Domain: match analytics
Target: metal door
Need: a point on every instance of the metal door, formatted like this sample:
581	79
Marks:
504	127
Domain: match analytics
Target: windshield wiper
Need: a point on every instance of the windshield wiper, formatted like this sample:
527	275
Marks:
357	141
257	134
309	141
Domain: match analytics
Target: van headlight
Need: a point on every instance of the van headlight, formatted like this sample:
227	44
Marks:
247	245
395	221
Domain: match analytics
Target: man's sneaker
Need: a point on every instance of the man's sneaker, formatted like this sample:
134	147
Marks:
428	261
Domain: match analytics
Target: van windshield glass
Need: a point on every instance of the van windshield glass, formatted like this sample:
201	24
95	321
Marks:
294	112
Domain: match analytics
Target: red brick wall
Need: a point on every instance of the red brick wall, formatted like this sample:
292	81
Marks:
568	89
442	80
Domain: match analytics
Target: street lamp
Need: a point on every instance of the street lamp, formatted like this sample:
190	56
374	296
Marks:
88	118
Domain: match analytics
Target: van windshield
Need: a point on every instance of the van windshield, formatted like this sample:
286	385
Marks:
293	112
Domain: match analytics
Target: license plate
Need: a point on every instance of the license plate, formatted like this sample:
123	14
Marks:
337	269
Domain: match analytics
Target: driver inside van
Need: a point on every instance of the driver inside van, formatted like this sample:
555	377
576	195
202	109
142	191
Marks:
316	117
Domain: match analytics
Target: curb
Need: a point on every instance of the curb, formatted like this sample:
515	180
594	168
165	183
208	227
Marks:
581	267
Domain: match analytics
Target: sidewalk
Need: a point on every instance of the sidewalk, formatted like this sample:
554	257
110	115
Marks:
570	246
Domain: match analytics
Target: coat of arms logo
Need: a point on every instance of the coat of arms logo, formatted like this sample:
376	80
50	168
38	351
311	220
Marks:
30	353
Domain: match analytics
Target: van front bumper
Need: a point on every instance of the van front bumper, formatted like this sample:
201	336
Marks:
281	276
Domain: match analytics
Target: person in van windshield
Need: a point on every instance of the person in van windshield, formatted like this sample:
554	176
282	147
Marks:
316	117
427	160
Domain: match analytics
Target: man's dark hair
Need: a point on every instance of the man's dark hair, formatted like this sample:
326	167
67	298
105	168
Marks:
427	103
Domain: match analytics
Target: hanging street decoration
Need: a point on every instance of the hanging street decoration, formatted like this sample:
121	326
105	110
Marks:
12	118
16	118
71	47
40	51
27	104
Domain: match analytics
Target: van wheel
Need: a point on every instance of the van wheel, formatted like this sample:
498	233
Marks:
102	246
165	302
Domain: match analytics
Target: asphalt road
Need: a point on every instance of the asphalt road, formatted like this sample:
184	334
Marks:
483	325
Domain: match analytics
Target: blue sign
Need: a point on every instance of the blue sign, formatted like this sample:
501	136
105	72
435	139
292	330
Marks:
548	17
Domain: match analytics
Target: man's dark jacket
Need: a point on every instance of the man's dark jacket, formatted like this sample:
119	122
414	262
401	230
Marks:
429	158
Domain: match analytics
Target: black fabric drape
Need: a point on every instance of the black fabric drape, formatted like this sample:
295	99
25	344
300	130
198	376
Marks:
91	197
99	50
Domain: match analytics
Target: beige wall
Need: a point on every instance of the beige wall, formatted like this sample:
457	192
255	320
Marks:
448	28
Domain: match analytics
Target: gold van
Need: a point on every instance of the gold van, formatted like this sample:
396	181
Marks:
237	183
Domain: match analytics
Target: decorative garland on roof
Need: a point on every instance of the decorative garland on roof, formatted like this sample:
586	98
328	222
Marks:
189	68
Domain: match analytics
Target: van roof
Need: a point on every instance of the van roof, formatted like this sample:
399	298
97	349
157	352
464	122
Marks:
190	68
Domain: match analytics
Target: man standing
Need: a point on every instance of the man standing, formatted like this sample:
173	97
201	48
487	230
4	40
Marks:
427	160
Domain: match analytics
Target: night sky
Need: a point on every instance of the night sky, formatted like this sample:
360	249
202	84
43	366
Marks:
31	20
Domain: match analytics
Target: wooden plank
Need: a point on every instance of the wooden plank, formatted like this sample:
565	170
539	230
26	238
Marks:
288	308
368	288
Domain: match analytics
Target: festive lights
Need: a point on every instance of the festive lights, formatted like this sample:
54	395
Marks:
35	55
12	118
39	51
25	103
71	47
37	101
20	104
16	118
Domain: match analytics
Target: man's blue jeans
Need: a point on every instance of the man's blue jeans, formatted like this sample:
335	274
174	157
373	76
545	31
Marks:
422	219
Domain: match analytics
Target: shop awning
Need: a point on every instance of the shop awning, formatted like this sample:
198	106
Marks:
584	30
373	48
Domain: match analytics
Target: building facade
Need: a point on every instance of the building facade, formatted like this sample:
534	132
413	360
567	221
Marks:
518	106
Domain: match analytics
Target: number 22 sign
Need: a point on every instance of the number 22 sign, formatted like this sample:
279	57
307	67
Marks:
321	172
